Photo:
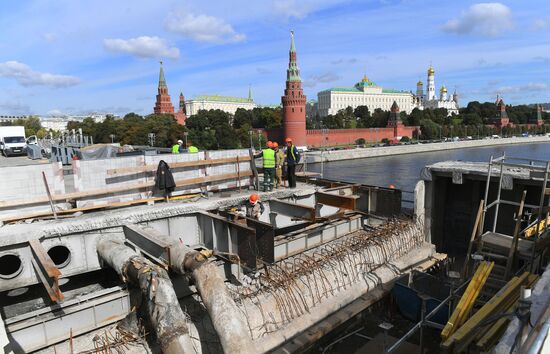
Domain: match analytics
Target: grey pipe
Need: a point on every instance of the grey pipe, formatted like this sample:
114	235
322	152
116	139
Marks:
158	297
228	320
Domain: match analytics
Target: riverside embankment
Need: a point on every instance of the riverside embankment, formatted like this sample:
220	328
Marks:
361	153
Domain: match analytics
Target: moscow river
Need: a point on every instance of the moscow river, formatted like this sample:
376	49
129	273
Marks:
403	171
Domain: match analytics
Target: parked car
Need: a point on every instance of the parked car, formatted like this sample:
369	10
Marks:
12	140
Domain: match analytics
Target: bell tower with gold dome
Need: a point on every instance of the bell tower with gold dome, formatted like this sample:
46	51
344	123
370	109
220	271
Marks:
431	83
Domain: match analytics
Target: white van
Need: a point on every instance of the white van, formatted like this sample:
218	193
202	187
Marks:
12	140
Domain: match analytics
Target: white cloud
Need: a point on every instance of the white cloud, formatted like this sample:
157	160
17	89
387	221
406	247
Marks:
530	87
322	78
539	25
143	47
14	108
203	28
49	37
56	112
27	77
487	19
292	8
262	70
542	58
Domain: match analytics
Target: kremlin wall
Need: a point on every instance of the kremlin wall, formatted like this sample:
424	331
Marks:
294	115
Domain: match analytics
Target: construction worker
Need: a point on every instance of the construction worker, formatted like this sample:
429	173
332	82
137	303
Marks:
279	162
254	207
292	159
268	156
176	148
192	149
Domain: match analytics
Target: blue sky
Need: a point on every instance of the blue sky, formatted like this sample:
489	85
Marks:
75	56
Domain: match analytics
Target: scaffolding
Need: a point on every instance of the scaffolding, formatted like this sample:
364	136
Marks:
530	235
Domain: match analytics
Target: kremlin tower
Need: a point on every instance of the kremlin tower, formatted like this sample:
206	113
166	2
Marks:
294	101
163	105
394	120
501	119
180	114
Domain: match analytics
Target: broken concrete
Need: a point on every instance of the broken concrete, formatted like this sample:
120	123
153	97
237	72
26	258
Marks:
159	300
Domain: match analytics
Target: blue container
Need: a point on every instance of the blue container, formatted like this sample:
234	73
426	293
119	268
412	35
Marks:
406	294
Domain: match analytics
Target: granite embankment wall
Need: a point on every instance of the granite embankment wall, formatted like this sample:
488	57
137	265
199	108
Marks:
337	155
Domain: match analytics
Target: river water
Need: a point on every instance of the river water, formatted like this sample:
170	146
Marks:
403	171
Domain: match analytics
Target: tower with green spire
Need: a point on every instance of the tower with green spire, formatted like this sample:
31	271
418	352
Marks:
294	101
163	105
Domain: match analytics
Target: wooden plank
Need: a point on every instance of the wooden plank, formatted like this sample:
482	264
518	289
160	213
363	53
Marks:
473	236
197	163
103	191
92	207
514	246
46	270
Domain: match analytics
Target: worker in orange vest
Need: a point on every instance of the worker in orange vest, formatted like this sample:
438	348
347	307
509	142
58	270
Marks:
254	207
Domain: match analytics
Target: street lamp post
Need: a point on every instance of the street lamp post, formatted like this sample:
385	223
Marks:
259	140
250	133
185	136
151	139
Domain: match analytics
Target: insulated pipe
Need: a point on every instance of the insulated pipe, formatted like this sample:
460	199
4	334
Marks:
228	320
158	297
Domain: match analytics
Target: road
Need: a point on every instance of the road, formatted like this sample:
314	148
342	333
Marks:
19	161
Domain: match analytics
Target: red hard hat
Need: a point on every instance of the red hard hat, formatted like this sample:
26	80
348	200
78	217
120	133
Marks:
270	144
275	145
288	140
253	198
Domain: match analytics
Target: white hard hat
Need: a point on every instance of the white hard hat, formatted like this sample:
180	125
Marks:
180	141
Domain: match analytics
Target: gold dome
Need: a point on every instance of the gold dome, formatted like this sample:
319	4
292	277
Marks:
419	83
443	89
365	79
431	70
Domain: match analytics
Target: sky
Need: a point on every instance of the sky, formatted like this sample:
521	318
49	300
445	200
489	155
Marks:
76	57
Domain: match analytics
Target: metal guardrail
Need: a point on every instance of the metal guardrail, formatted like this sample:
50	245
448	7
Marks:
425	319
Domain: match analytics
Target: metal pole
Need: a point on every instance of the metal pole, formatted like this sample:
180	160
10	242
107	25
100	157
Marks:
424	298
428	316
482	222
49	194
498	192
539	218
322	164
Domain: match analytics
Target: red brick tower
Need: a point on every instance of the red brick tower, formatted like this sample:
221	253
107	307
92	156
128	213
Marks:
294	101
163	104
394	121
502	119
180	114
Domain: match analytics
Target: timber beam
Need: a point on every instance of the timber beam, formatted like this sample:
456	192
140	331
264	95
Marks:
46	270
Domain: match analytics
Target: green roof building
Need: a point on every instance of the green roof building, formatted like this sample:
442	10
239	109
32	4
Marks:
227	104
364	93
